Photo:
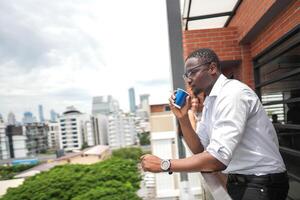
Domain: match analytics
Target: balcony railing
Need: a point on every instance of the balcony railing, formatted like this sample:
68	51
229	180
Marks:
215	187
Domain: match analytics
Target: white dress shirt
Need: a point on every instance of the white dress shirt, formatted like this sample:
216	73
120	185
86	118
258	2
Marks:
236	130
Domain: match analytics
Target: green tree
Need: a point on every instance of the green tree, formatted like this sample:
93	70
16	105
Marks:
8	172
144	138
84	145
132	153
115	178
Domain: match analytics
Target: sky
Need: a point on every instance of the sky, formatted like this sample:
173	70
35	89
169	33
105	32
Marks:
62	53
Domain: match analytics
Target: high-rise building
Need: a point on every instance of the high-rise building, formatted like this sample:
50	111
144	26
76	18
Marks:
121	130
11	119
100	126
53	116
75	130
53	135
132	104
144	103
144	100
102	105
37	137
4	151
29	118
41	113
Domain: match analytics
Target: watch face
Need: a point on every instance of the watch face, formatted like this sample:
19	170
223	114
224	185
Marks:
165	164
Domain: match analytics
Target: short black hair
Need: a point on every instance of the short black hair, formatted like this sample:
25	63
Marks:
207	55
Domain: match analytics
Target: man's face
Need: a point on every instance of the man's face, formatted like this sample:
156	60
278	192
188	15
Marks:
197	75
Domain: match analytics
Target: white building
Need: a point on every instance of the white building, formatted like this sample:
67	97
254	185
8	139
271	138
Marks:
75	130
17	141
121	130
11	119
143	114
88	132
104	105
53	135
144	103
4	151
100	126
19	144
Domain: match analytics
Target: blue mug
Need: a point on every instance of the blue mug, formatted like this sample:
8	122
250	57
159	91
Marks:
180	96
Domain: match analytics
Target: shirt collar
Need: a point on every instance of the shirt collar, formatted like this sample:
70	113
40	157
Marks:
218	86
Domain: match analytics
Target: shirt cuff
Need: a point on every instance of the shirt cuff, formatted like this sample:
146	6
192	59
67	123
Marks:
220	152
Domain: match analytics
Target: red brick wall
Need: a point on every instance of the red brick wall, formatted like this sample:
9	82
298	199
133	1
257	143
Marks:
247	66
158	108
222	40
225	41
248	13
285	21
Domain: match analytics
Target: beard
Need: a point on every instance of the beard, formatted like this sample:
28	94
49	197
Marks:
196	91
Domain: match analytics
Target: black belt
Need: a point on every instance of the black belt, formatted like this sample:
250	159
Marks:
268	178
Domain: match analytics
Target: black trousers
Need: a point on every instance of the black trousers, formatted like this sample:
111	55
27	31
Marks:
251	187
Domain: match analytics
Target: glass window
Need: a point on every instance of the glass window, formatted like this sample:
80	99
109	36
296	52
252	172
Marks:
277	75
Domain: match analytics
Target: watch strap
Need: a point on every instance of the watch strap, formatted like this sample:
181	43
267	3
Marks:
169	170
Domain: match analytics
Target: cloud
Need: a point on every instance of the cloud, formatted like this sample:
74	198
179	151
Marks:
61	53
153	82
71	94
44	34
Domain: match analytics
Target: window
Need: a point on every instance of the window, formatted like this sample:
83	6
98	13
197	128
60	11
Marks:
167	108
277	81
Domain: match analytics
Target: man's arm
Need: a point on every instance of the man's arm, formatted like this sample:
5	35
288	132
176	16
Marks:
190	136
202	162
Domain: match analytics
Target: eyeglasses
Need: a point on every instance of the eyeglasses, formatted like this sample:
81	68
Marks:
187	75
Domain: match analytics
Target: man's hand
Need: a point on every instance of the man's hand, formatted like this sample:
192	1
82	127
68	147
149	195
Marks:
179	113
151	163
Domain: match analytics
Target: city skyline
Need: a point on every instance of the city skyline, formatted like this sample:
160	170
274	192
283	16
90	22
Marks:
51	112
59	54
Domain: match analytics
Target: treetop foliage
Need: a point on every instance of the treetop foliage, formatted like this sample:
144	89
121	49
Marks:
116	178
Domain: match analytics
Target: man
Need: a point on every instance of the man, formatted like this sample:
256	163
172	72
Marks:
234	135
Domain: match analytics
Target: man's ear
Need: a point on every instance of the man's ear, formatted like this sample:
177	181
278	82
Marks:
213	69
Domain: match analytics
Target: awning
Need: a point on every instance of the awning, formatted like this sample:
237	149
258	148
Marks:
204	14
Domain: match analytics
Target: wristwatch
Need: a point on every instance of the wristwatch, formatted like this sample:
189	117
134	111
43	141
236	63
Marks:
165	165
